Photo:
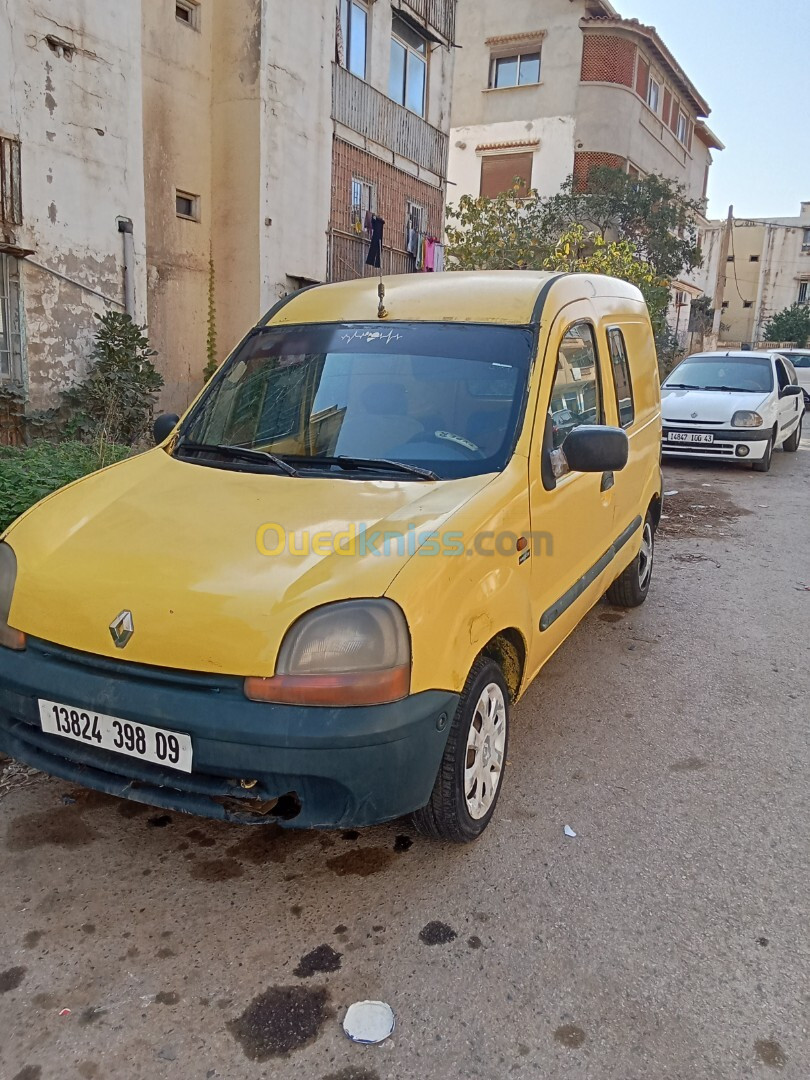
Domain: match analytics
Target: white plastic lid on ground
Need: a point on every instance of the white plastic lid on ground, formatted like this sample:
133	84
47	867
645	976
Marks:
369	1022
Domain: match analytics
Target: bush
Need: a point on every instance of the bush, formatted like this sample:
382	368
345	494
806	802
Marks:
28	474
116	402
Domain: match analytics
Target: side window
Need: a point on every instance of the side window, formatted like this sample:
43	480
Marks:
575	397
782	375
794	378
620	366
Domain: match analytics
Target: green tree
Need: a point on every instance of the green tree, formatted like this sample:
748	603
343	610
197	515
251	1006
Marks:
115	403
792	324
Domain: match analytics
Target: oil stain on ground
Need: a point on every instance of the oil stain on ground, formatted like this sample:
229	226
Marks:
11	979
282	1019
63	827
167	997
362	862
271	843
323	958
690	764
403	843
437	933
570	1035
216	870
28	1072
770	1053
32	939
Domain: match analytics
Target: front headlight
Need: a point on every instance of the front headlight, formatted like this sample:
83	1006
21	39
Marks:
11	638
746	418
354	652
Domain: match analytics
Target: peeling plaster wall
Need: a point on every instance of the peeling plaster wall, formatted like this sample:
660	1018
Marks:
78	116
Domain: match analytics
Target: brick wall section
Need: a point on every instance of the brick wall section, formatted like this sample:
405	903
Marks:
394	189
608	58
586	160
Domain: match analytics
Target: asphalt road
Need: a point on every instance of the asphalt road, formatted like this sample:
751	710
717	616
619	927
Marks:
668	940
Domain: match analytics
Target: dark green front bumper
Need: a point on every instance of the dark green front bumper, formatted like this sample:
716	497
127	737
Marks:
328	767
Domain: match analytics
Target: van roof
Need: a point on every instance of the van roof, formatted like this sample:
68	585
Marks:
467	296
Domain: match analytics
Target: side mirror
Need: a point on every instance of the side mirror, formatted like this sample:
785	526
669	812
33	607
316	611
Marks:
791	391
596	448
164	426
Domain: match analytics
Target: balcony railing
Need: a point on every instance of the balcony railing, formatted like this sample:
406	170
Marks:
439	15
378	118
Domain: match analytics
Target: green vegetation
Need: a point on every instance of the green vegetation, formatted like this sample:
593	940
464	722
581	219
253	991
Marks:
792	324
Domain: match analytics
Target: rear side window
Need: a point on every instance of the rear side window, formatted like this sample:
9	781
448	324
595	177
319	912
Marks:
620	366
575	397
782	375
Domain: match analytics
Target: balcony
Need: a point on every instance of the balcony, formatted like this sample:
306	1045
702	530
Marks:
437	15
380	120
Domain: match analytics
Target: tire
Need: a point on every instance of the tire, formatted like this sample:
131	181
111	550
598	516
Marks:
791	445
459	808
631	587
765	464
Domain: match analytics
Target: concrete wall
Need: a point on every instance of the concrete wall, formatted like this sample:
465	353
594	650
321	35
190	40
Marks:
552	158
78	116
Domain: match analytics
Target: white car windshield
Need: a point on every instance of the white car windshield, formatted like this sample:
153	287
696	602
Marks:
744	374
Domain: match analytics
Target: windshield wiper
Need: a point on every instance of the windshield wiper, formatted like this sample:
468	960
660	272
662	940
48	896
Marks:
735	389
680	386
346	462
243	452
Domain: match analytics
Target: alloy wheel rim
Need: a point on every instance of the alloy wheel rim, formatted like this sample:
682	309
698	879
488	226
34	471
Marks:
645	555
486	744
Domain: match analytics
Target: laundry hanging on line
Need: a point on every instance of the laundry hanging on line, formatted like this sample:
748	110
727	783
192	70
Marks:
374	257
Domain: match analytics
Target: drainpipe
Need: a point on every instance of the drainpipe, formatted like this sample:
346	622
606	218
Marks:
125	228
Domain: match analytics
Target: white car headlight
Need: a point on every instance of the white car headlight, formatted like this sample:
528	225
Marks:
354	652
746	418
11	638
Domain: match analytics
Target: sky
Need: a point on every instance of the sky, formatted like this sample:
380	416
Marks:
750	62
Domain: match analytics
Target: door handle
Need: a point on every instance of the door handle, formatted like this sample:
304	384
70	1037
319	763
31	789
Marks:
608	480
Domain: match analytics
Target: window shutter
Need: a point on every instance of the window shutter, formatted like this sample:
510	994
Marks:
668	110
642	77
673	120
498	172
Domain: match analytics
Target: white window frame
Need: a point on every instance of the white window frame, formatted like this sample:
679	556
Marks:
526	50
806	240
414	218
192	7
368	199
412	55
682	132
347	60
653	82
10	185
804	292
11	345
195	205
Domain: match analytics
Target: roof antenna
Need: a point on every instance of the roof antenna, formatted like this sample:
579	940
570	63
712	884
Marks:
381	310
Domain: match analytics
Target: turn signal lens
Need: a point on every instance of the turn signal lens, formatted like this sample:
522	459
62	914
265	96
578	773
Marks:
746	418
354	688
9	637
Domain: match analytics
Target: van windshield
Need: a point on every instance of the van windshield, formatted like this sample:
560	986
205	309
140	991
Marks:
445	399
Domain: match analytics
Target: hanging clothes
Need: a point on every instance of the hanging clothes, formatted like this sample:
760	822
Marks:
367	223
420	252
374	257
430	253
413	241
438	259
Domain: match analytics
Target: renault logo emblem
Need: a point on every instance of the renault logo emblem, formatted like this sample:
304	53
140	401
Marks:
122	628
694	416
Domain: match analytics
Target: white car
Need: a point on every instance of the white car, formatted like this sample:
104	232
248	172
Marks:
732	406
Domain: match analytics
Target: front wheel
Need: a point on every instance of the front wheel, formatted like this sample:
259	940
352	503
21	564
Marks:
470	776
631	587
791	445
765	464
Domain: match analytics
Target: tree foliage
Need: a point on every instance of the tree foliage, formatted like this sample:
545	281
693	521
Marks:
792	324
115	403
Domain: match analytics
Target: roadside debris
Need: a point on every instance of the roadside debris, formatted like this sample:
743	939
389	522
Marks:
569	831
369	1022
669	494
64	1012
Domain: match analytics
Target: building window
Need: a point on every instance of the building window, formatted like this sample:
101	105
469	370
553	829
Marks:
10	186
500	171
414	220
806	240
188	12
354	31
653	94
748	303
408	77
725	305
621	377
754	258
363	202
683	128
729	258
187	205
804	291
522	69
10	323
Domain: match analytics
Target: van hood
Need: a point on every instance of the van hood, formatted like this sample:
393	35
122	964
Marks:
175	544
715	406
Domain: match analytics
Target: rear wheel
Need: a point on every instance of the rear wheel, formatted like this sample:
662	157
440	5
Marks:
765	464
791	445
631	587
471	772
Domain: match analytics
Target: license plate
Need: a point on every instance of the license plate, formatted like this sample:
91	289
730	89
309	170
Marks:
141	741
689	436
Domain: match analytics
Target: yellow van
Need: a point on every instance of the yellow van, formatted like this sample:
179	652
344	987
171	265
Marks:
317	599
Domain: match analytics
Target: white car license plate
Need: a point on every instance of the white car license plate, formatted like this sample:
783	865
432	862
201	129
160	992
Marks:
168	748
689	436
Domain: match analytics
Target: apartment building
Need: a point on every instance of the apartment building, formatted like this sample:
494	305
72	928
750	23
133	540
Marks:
767	269
547	91
192	154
